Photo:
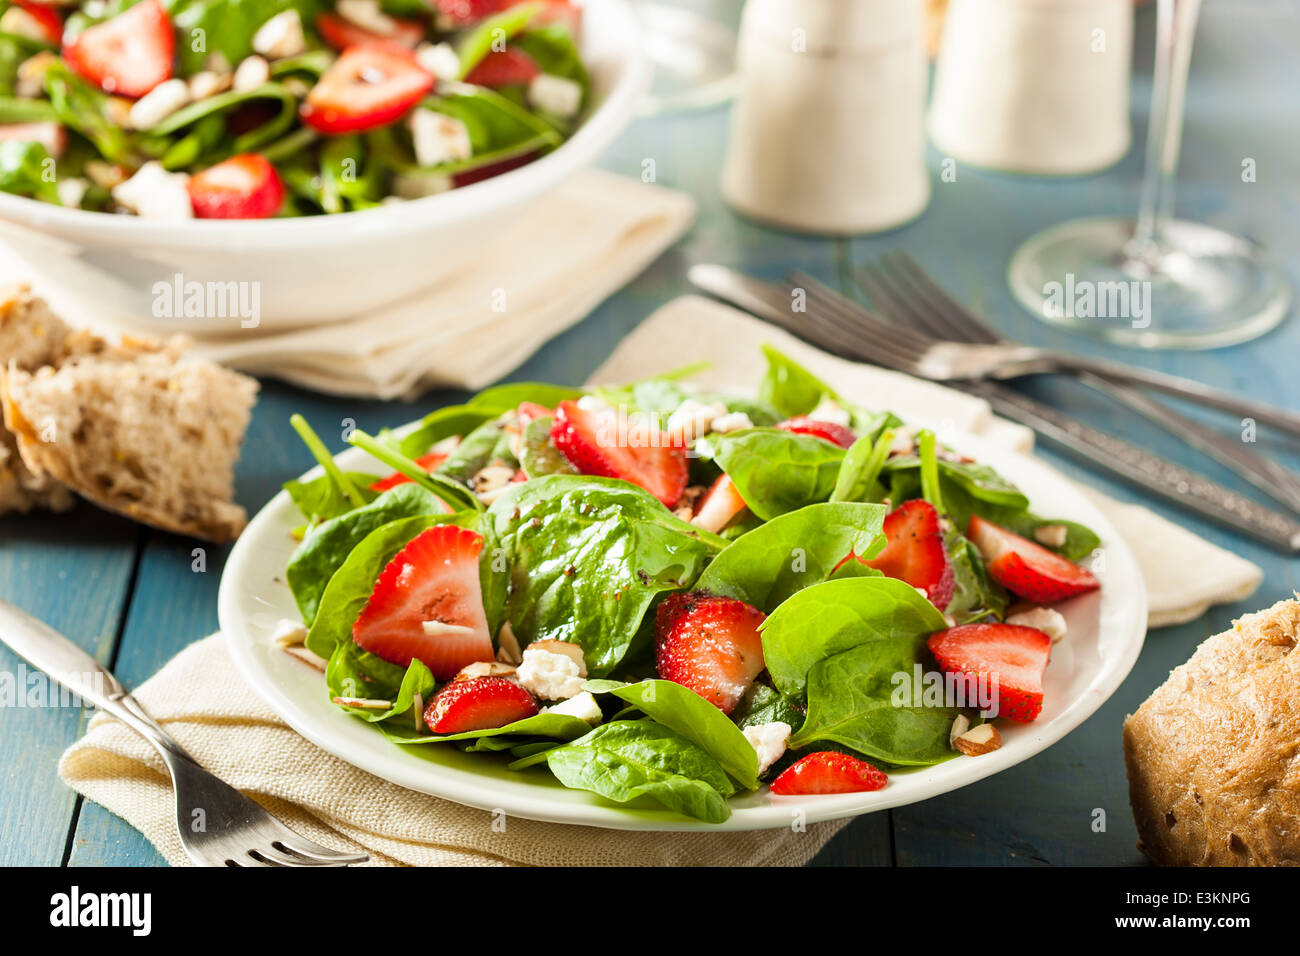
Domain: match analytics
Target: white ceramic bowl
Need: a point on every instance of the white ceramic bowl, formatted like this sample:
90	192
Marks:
320	268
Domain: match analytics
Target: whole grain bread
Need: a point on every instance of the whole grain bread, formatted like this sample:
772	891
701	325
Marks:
1213	756
138	427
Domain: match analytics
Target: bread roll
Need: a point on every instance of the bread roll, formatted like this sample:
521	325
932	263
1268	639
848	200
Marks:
1213	756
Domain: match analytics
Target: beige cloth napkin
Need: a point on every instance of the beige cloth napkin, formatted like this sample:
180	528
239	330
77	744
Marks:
200	698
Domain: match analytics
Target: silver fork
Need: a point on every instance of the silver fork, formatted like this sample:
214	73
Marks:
218	825
903	291
917	353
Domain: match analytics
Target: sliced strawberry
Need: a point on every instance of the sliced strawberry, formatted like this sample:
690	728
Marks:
46	18
428	462
1010	657
828	771
531	411
366	87
480	703
709	644
341	34
915	553
49	134
1025	567
827	431
506	67
592	440
460	13
129	54
480	173
241	187
428	605
720	504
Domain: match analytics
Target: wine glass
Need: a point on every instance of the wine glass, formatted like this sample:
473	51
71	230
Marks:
692	46
1154	281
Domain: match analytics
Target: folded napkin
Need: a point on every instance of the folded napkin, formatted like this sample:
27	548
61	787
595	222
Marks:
201	699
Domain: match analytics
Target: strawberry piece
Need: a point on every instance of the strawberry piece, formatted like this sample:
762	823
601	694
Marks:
428	604
480	703
710	645
828	771
506	67
720	504
530	412
1025	567
915	553
595	444
49	134
428	462
366	87
241	187
341	34
128	55
460	13
827	431
1013	655
46	17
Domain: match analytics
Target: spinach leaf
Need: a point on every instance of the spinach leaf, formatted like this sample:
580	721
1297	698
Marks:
976	595
789	387
445	422
777	471
765	705
681	709
488	443
555	726
861	467
321	498
478	43
765	566
850	702
352	672
828	618
626	760
509	394
586	557
26	169
538	455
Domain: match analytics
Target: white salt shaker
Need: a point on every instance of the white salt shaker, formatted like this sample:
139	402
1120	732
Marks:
828	129
1035	86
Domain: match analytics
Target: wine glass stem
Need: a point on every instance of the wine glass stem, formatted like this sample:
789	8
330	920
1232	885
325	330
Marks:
1175	25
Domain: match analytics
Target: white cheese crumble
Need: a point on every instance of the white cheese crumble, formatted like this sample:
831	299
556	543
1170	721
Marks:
555	94
366	14
768	741
731	422
154	193
551	674
693	418
280	36
438	138
72	190
1051	535
251	73
440	59
1045	619
829	410
582	705
158	104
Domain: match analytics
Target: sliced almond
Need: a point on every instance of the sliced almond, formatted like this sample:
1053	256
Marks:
980	739
508	651
485	669
364	703
566	648
307	657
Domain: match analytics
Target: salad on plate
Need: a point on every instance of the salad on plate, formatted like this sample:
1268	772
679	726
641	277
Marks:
247	109
667	595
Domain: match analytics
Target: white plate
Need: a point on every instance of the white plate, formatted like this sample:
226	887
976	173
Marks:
1106	629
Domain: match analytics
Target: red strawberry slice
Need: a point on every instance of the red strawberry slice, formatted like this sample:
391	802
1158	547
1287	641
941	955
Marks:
594	442
428	605
46	18
827	431
49	134
506	67
129	54
341	34
1026	567
241	187
915	553
720	504
462	12
428	462
710	645
828	771
366	87
1016	656
481	703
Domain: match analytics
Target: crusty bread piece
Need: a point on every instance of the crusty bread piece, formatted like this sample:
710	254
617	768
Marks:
1213	755
138	428
30	336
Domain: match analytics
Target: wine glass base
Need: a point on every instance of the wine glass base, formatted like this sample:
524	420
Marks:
694	58
1199	288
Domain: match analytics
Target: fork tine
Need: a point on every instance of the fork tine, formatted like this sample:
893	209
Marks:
846	333
915	342
968	326
896	305
279	857
314	851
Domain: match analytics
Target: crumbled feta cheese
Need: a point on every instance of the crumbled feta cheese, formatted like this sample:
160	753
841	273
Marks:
1051	535
158	104
366	14
207	83
289	633
582	705
251	73
768	741
829	410
904	441
440	59
154	193
419	185
552	672
20	23
592	403
438	138
692	418
555	94
280	36
72	190
731	422
1046	619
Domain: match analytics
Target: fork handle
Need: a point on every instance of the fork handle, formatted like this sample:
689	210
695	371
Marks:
45	648
1261	412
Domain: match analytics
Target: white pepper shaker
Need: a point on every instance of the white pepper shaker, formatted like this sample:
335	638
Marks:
827	132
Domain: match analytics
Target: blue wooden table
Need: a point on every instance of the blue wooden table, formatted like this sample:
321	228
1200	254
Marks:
128	594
